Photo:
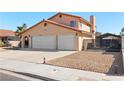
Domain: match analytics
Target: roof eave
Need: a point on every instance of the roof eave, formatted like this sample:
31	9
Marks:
68	27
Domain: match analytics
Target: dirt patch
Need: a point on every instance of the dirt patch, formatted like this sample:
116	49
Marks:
103	62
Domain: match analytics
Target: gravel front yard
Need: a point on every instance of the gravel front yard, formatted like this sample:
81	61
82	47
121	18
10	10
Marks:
102	62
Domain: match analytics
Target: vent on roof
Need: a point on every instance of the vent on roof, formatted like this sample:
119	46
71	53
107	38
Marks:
60	16
45	24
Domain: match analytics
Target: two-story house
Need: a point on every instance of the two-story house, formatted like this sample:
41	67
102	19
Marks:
60	32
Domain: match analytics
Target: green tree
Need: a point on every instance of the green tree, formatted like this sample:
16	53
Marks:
21	28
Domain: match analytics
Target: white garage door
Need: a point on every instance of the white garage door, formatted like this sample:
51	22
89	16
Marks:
44	42
66	42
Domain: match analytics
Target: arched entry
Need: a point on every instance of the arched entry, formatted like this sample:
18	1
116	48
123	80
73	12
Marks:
26	42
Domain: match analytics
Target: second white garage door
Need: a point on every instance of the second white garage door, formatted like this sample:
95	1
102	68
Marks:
44	42
66	42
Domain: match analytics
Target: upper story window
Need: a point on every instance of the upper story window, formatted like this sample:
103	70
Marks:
73	23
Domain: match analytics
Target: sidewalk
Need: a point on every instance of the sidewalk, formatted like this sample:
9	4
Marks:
54	72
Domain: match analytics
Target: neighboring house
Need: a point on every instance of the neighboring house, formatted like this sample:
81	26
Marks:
60	32
97	39
6	35
108	40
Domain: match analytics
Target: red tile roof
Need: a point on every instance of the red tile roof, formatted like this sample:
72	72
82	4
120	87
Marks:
4	33
80	18
55	23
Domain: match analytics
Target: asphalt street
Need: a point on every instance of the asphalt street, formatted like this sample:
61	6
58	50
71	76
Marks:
8	77
11	76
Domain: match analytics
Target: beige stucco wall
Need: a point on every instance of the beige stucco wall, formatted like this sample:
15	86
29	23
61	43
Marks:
84	27
82	45
66	21
52	29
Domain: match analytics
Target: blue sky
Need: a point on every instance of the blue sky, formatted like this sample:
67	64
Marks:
105	21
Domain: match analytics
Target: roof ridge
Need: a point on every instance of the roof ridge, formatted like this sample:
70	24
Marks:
70	15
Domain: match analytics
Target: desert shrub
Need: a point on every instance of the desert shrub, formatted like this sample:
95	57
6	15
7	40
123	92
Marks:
1	43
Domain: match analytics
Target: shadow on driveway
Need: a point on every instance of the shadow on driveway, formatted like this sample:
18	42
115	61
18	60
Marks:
29	49
117	65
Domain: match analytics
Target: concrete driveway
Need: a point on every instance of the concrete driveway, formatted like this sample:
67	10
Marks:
29	55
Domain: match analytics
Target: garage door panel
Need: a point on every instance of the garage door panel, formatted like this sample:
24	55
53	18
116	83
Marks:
44	42
66	42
